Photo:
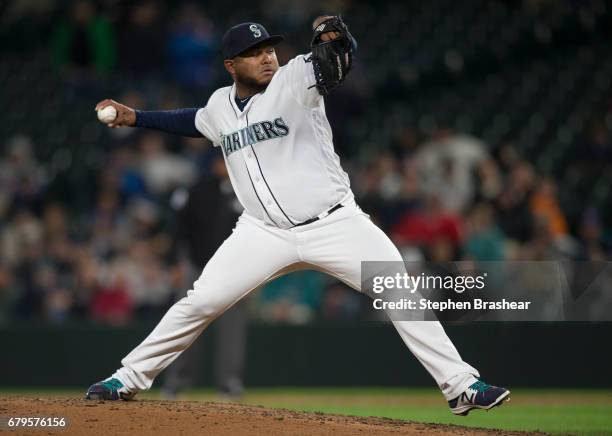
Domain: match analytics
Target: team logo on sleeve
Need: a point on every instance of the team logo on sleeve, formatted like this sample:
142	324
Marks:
253	133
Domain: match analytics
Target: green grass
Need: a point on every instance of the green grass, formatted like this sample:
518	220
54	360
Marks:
558	411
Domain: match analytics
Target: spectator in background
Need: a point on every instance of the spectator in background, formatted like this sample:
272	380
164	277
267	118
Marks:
427	226
544	204
60	255
142	40
58	305
455	194
22	177
442	249
448	162
143	275
23	233
513	214
507	157
411	190
144	222
489	181
484	240
390	180
341	303
105	222
162	170
55	222
191	46
542	244
110	302
84	40
592	245
23	249
378	186
131	182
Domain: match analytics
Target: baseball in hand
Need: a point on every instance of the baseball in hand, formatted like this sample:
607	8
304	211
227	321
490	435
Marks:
107	114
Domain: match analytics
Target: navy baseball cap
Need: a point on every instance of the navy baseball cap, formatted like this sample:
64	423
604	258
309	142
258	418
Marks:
244	36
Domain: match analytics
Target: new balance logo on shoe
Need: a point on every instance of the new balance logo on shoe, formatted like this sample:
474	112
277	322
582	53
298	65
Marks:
470	399
479	395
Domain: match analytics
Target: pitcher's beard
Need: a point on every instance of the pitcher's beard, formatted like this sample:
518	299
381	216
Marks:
252	84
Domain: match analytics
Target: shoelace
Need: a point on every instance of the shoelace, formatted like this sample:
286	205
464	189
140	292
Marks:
480	386
112	384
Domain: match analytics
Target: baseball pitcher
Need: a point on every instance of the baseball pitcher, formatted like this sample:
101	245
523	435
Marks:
299	210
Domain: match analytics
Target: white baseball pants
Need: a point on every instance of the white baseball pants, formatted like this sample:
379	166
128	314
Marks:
255	254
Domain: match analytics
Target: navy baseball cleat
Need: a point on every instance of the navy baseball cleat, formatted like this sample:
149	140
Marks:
110	389
479	395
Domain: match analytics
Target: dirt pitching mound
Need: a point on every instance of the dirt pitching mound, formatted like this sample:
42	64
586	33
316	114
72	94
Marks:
150	417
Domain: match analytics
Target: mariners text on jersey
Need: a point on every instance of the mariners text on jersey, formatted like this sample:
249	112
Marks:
251	134
278	148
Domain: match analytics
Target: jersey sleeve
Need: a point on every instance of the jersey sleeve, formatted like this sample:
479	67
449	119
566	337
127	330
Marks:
300	80
203	123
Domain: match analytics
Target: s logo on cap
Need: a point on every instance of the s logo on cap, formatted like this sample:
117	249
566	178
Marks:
243	36
255	30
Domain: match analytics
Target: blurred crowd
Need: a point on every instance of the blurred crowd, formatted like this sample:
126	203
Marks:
441	195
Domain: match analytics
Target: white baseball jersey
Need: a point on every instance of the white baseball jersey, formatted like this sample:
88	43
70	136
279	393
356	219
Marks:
279	150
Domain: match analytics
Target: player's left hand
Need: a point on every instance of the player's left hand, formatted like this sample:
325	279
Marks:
330	36
327	36
332	47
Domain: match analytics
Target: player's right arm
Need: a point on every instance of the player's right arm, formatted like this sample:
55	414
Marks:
181	122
